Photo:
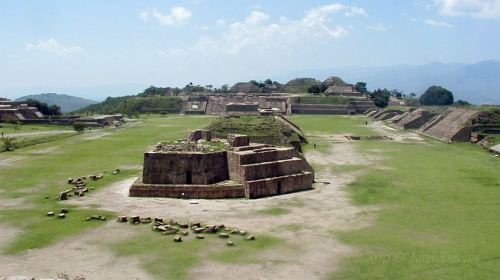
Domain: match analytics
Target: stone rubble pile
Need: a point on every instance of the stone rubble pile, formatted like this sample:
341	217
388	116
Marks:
180	147
180	229
79	186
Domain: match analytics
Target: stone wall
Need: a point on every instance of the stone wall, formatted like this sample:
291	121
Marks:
234	190
415	119
278	185
323	109
185	168
455	124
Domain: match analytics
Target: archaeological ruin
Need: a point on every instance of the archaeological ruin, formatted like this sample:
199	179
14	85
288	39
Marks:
207	168
450	125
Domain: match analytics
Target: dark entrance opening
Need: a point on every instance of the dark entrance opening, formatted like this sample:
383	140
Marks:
189	178
279	187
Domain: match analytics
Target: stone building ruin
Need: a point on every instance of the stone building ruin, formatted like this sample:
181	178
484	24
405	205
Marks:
240	169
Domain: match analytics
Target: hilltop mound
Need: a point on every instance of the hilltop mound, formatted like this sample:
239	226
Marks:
334	81
300	85
67	103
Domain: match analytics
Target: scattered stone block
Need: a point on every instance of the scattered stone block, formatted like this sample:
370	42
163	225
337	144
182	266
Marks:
135	219
50	214
242	232
64	210
223	235
199	230
200	236
185	232
250	237
183	225
195	225
122	219
61	216
63	196
178	238
238	140
230	243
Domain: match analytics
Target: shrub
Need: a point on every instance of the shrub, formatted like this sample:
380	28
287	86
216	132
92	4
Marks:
9	144
79	127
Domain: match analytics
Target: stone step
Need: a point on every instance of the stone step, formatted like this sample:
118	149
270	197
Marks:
265	155
264	170
278	185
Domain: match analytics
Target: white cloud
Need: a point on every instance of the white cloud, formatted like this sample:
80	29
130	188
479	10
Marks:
435	23
356	11
177	16
258	31
379	27
54	47
473	8
144	16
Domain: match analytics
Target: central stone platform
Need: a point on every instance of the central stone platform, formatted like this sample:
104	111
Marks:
222	169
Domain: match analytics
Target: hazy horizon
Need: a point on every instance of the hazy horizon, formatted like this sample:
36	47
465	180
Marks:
96	49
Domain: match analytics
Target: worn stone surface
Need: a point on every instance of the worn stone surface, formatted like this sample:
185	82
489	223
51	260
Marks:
249	171
238	140
185	168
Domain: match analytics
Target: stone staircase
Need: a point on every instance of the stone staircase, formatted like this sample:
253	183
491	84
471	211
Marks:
452	125
267	170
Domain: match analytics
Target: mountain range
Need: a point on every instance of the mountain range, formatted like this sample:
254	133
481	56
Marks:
67	103
478	83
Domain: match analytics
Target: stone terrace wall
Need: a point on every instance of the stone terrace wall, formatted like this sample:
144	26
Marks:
185	168
235	190
278	185
323	109
415	119
455	124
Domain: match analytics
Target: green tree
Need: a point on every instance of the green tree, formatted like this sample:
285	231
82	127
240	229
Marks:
361	87
52	110
436	95
380	97
79	127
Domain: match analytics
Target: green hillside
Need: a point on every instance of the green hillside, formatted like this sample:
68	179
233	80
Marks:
67	103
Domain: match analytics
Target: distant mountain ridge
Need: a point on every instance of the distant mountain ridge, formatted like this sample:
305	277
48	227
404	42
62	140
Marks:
67	103
478	83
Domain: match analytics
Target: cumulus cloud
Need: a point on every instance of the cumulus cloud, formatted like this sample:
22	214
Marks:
178	16
435	23
144	16
54	47
473	8
258	31
379	27
356	11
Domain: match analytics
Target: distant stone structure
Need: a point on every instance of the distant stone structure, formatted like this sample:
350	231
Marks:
456	124
343	90
241	170
17	111
414	119
450	125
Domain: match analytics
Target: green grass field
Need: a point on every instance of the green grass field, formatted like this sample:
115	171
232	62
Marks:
438	203
46	173
439	217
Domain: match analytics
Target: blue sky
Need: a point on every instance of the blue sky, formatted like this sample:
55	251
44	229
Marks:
99	48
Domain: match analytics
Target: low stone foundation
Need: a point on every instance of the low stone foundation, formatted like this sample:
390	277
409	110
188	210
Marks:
214	191
243	170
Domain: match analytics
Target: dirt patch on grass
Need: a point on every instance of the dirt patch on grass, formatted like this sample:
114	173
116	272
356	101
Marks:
9	160
82	255
316	253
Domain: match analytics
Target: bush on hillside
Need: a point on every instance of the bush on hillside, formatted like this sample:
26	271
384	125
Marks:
436	96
